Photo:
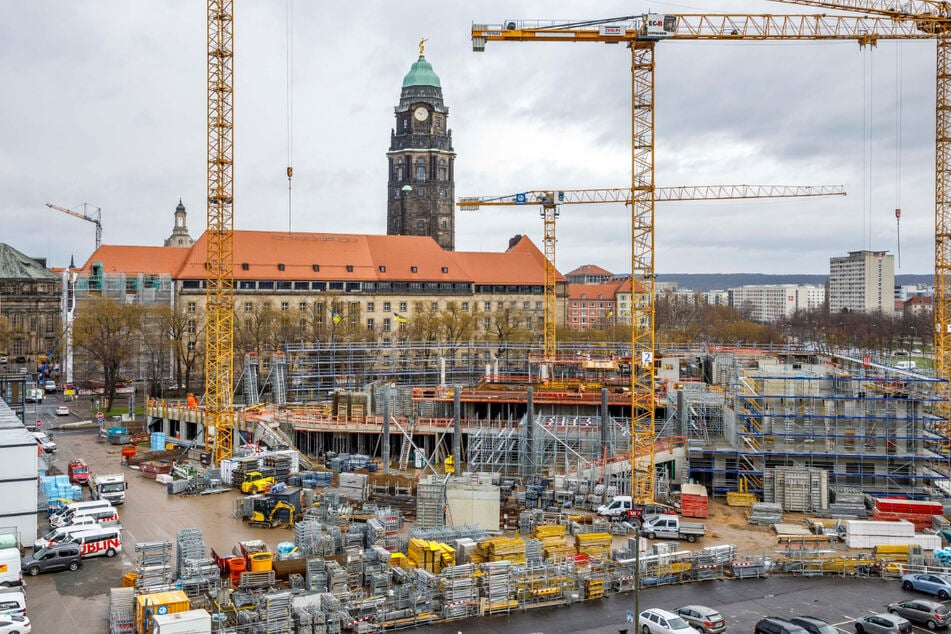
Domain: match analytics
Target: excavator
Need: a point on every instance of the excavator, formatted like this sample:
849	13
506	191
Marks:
268	513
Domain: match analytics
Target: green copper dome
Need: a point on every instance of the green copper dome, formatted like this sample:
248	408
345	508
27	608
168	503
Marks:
421	74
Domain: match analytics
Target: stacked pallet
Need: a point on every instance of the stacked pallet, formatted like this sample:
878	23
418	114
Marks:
918	512
553	541
502	549
870	533
595	545
693	500
431	556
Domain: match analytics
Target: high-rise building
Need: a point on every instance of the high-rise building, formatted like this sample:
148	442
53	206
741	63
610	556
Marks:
771	302
862	281
421	185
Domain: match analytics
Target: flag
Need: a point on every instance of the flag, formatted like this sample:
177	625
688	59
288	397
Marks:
610	313
399	318
335	317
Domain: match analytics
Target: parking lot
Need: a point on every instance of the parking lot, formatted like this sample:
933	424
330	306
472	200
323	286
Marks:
79	601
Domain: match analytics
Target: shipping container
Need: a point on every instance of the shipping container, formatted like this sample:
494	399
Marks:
693	500
148	606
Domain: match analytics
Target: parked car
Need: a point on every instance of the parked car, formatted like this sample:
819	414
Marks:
813	625
929	613
882	624
62	410
45	442
657	621
702	618
936	585
13	624
777	625
53	558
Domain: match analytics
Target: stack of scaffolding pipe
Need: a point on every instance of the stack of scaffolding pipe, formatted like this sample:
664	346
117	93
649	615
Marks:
353	485
765	513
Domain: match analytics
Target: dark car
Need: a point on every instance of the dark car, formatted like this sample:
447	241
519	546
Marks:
813	625
776	625
929	613
53	558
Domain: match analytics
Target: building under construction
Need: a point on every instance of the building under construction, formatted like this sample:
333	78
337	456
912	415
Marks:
725	417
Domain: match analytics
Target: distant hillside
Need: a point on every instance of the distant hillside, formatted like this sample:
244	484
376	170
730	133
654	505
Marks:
723	281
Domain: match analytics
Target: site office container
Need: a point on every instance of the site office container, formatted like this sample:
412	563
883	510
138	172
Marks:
148	606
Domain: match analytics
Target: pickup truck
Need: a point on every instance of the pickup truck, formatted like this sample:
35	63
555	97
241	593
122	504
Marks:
671	527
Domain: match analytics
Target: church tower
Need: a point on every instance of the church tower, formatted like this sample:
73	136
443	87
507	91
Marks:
180	237
421	185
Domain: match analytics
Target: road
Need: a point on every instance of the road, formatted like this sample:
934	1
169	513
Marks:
78	602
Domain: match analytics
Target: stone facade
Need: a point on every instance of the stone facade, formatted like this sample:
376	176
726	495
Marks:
30	305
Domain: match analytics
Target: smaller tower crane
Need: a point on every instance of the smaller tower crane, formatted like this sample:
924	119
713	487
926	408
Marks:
94	217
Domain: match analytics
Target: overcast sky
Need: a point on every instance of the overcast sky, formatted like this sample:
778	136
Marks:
105	103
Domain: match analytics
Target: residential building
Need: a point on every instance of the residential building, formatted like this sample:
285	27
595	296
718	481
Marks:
918	305
30	304
597	305
862	281
588	274
771	302
421	162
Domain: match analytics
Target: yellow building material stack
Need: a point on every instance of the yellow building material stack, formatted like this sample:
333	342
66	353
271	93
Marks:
431	556
503	549
740	499
597	545
896	552
148	605
553	541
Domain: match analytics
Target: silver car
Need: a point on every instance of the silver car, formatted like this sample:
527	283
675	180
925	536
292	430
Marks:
929	613
703	619
882	624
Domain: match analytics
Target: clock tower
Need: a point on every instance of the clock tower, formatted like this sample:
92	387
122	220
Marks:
421	183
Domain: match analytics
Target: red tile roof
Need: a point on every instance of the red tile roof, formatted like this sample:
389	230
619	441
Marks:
132	259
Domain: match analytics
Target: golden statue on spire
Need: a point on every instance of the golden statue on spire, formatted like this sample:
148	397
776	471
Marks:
422	45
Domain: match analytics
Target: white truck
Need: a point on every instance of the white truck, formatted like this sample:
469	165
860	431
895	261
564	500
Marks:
109	487
671	527
617	508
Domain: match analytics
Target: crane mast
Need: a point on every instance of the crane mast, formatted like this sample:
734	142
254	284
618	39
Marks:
219	235
642	33
95	217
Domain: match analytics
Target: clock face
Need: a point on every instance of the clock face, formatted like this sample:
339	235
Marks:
421	113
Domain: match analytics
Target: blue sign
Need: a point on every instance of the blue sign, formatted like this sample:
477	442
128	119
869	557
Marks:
520	199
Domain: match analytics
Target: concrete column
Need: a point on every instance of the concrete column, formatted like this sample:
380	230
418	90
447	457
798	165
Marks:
457	428
386	430
605	421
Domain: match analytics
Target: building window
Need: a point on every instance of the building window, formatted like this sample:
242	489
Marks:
266	306
525	305
402	307
387	324
465	307
386	307
284	306
443	173
302	306
486	323
248	307
247	324
17	347
191	346
280	267
192	326
302	325
399	173
316	267
413	269
421	173
487	307
382	268
445	269
191	307
434	306
245	266
349	268
370	323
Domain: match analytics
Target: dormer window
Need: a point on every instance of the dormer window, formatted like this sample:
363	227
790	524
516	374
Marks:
382	268
280	267
245	266
445	269
316	267
413	269
349	268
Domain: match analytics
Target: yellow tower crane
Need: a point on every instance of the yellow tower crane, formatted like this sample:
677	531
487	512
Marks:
94	217
922	19
219	235
551	199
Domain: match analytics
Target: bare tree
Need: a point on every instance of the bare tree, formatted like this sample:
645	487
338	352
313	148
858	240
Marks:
109	333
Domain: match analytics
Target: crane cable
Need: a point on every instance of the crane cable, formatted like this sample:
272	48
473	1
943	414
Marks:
289	42
898	141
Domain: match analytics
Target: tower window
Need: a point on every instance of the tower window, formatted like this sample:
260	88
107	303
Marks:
442	173
420	173
399	173
420	191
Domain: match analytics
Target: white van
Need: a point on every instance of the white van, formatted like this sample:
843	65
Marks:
85	504
56	535
13	602
10	574
64	518
101	540
94	516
